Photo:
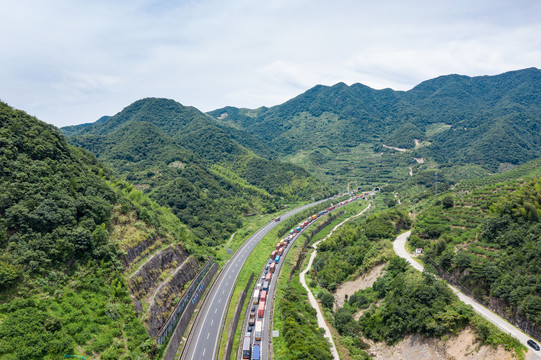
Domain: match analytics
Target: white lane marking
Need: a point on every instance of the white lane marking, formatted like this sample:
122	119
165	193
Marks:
212	322
208	335
205	349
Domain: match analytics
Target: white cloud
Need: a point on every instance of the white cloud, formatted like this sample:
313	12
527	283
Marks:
73	61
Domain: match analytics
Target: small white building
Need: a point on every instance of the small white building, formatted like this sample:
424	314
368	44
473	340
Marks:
418	251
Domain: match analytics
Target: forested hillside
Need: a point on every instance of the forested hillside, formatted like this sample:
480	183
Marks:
397	301
489	121
185	161
65	223
485	237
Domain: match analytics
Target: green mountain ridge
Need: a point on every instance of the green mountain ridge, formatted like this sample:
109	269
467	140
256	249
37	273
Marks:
184	160
484	236
485	120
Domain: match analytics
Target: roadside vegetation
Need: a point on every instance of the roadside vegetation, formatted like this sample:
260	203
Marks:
486	240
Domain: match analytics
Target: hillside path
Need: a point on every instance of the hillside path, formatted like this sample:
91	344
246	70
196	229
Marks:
320	319
399	247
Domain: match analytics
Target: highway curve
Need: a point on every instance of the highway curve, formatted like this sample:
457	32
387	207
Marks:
503	325
203	339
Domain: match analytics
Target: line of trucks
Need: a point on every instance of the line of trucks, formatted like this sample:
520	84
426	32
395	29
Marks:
259	298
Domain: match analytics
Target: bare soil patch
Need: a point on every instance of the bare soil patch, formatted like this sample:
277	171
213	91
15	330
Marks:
416	347
362	282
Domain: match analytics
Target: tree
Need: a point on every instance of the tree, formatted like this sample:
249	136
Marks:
8	275
327	300
447	202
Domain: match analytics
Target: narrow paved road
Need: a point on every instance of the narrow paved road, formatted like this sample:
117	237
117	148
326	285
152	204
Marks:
203	339
320	319
399	247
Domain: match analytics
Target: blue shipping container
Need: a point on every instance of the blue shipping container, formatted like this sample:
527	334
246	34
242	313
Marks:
255	352
277	259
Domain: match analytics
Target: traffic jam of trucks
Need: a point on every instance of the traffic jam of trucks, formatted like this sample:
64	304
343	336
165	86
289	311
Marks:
251	350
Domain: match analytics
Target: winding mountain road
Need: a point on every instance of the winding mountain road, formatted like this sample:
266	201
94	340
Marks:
399	247
320	319
203	339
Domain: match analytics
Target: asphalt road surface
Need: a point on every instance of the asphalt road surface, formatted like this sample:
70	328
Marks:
400	250
203	339
266	337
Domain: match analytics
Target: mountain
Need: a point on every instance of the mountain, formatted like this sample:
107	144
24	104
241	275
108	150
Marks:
68	130
66	228
484	236
489	121
183	159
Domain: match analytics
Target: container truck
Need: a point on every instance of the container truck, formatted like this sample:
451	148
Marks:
272	267
268	277
258	330
256	353
277	259
247	348
273	254
256	297
265	286
281	252
278	246
264	295
261	309
298	229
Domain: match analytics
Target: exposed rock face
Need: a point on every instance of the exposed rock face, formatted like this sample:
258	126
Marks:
135	252
499	306
159	283
164	302
160	265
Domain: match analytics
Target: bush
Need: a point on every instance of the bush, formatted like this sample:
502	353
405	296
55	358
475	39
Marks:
8	275
447	202
327	300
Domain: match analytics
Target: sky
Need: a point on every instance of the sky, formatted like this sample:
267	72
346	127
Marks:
71	61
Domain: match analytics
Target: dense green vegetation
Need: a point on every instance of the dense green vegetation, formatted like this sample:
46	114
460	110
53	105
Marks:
299	317
413	303
62	287
489	121
357	246
488	239
184	160
402	301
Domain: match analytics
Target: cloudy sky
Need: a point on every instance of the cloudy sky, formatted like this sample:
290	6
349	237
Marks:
69	61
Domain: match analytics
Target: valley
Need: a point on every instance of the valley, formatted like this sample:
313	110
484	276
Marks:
135	237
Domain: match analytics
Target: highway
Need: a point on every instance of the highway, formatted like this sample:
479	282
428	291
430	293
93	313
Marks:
266	338
400	250
203	339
